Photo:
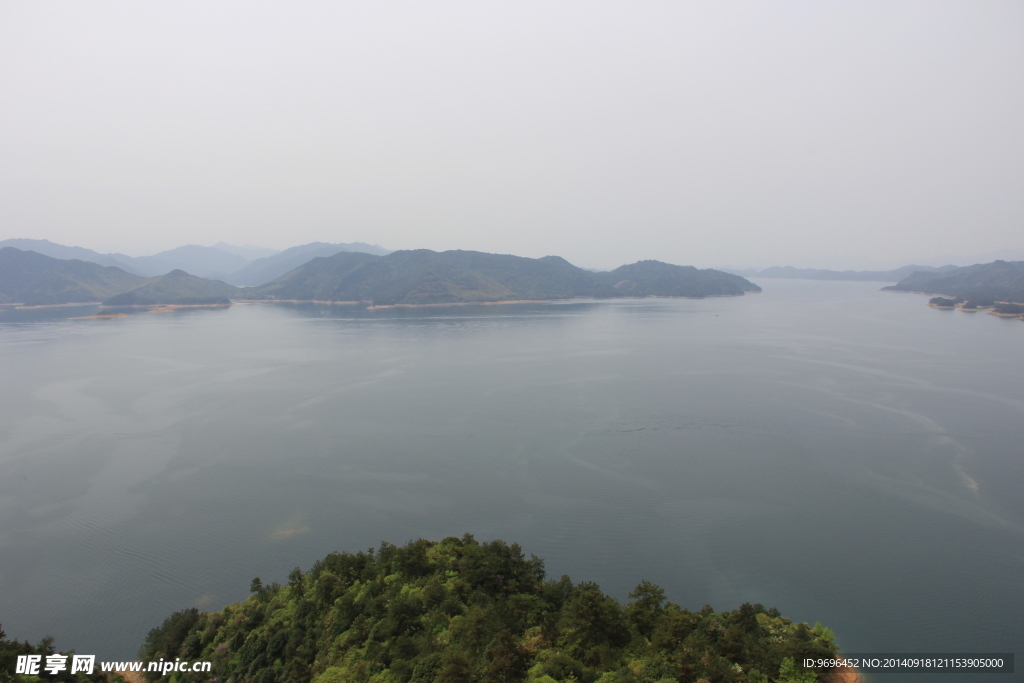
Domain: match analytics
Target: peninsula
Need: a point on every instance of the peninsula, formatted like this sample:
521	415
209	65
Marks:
989	282
462	610
998	286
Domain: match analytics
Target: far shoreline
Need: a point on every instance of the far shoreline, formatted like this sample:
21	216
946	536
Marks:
960	306
22	307
373	307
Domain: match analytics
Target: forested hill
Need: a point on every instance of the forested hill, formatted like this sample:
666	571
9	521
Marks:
177	287
428	277
263	270
460	611
984	282
34	279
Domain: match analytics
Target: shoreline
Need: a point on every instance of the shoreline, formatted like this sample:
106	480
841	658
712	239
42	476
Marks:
960	306
103	316
22	307
165	308
171	306
373	307
168	307
296	301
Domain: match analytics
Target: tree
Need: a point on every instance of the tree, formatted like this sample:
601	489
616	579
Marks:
295	580
789	672
643	613
592	623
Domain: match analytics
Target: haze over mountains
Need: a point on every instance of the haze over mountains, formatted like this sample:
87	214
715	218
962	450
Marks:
220	262
265	269
32	278
894	275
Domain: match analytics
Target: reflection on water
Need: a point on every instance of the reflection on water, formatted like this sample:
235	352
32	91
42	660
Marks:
842	454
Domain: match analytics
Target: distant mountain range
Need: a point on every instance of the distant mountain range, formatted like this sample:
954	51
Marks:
220	262
894	275
402	277
54	250
34	279
428	277
983	283
268	268
247	251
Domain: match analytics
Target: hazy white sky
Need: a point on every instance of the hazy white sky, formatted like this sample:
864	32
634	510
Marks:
816	133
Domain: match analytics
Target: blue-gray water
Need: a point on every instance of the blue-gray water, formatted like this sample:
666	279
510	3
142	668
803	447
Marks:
848	456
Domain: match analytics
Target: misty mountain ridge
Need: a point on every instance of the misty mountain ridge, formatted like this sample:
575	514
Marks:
221	261
249	252
894	275
35	279
59	251
263	270
201	261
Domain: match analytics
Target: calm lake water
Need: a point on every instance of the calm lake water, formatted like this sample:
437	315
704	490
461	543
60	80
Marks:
846	455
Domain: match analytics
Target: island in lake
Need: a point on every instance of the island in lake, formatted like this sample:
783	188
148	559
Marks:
427	277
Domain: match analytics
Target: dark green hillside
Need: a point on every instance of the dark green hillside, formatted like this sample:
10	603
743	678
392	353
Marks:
460	610
10	650
996	281
1009	309
33	279
403	277
177	287
550	277
427	277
